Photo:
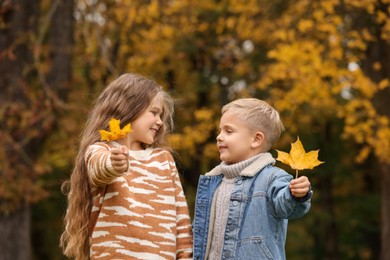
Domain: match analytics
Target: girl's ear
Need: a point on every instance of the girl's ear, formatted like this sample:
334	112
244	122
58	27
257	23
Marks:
258	140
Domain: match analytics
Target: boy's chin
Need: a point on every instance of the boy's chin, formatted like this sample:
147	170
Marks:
225	160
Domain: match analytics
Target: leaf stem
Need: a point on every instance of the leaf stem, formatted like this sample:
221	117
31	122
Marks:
296	174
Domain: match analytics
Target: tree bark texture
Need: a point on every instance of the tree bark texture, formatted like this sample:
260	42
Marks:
61	43
15	236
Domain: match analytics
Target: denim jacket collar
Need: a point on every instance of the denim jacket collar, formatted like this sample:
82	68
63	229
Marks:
250	171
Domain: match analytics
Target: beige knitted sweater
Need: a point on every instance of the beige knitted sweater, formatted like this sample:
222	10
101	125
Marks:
141	214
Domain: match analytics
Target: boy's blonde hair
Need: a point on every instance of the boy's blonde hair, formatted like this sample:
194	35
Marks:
258	115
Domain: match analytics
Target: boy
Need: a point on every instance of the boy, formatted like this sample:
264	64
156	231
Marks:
243	205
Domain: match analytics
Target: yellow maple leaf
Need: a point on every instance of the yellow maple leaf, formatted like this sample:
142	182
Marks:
298	159
115	132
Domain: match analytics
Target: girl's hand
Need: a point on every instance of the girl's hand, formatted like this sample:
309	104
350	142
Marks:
300	187
119	159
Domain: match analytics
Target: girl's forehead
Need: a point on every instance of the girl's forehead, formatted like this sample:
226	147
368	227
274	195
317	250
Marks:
157	101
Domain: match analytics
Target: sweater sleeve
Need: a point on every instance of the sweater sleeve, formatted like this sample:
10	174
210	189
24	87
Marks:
99	167
284	205
183	221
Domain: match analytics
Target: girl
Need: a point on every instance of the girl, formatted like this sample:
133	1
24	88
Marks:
125	197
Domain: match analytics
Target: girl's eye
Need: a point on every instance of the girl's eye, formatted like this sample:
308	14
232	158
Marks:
156	113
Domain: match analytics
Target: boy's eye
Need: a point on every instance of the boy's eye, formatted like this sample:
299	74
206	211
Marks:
226	130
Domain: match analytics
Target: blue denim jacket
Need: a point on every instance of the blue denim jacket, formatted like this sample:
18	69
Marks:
260	206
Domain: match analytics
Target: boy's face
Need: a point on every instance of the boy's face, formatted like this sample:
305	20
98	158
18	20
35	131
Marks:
236	142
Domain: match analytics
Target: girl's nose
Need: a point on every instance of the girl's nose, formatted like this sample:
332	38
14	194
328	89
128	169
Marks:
219	138
159	121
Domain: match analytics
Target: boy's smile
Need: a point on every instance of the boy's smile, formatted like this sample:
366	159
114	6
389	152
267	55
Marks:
221	147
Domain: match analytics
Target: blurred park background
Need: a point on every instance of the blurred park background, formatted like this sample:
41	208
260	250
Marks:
323	64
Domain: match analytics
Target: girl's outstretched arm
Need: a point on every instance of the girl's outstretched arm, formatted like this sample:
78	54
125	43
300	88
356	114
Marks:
104	163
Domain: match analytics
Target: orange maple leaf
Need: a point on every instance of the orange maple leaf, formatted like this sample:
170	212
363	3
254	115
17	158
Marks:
298	159
115	132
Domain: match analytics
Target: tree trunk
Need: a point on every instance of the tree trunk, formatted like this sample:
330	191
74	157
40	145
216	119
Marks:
15	235
19	18
61	43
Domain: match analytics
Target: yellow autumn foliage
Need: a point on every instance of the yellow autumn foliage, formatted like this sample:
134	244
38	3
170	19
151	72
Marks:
301	61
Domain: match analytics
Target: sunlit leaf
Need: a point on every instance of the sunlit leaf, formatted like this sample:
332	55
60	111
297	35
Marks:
298	159
115	132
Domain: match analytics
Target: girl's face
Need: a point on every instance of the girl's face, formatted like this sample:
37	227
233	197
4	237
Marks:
146	126
235	140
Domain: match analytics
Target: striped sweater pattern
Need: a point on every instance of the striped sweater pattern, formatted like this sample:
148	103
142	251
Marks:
141	214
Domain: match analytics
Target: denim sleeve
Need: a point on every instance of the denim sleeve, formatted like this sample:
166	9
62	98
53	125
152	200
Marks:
280	199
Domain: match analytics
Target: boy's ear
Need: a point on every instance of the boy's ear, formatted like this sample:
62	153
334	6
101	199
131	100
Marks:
258	140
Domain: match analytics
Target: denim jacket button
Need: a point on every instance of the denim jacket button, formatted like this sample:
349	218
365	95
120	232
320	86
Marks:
235	203
239	181
231	227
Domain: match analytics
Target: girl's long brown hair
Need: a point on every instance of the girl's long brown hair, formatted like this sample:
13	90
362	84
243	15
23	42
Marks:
124	98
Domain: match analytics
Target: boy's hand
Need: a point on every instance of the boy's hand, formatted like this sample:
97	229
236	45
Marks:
300	187
119	159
